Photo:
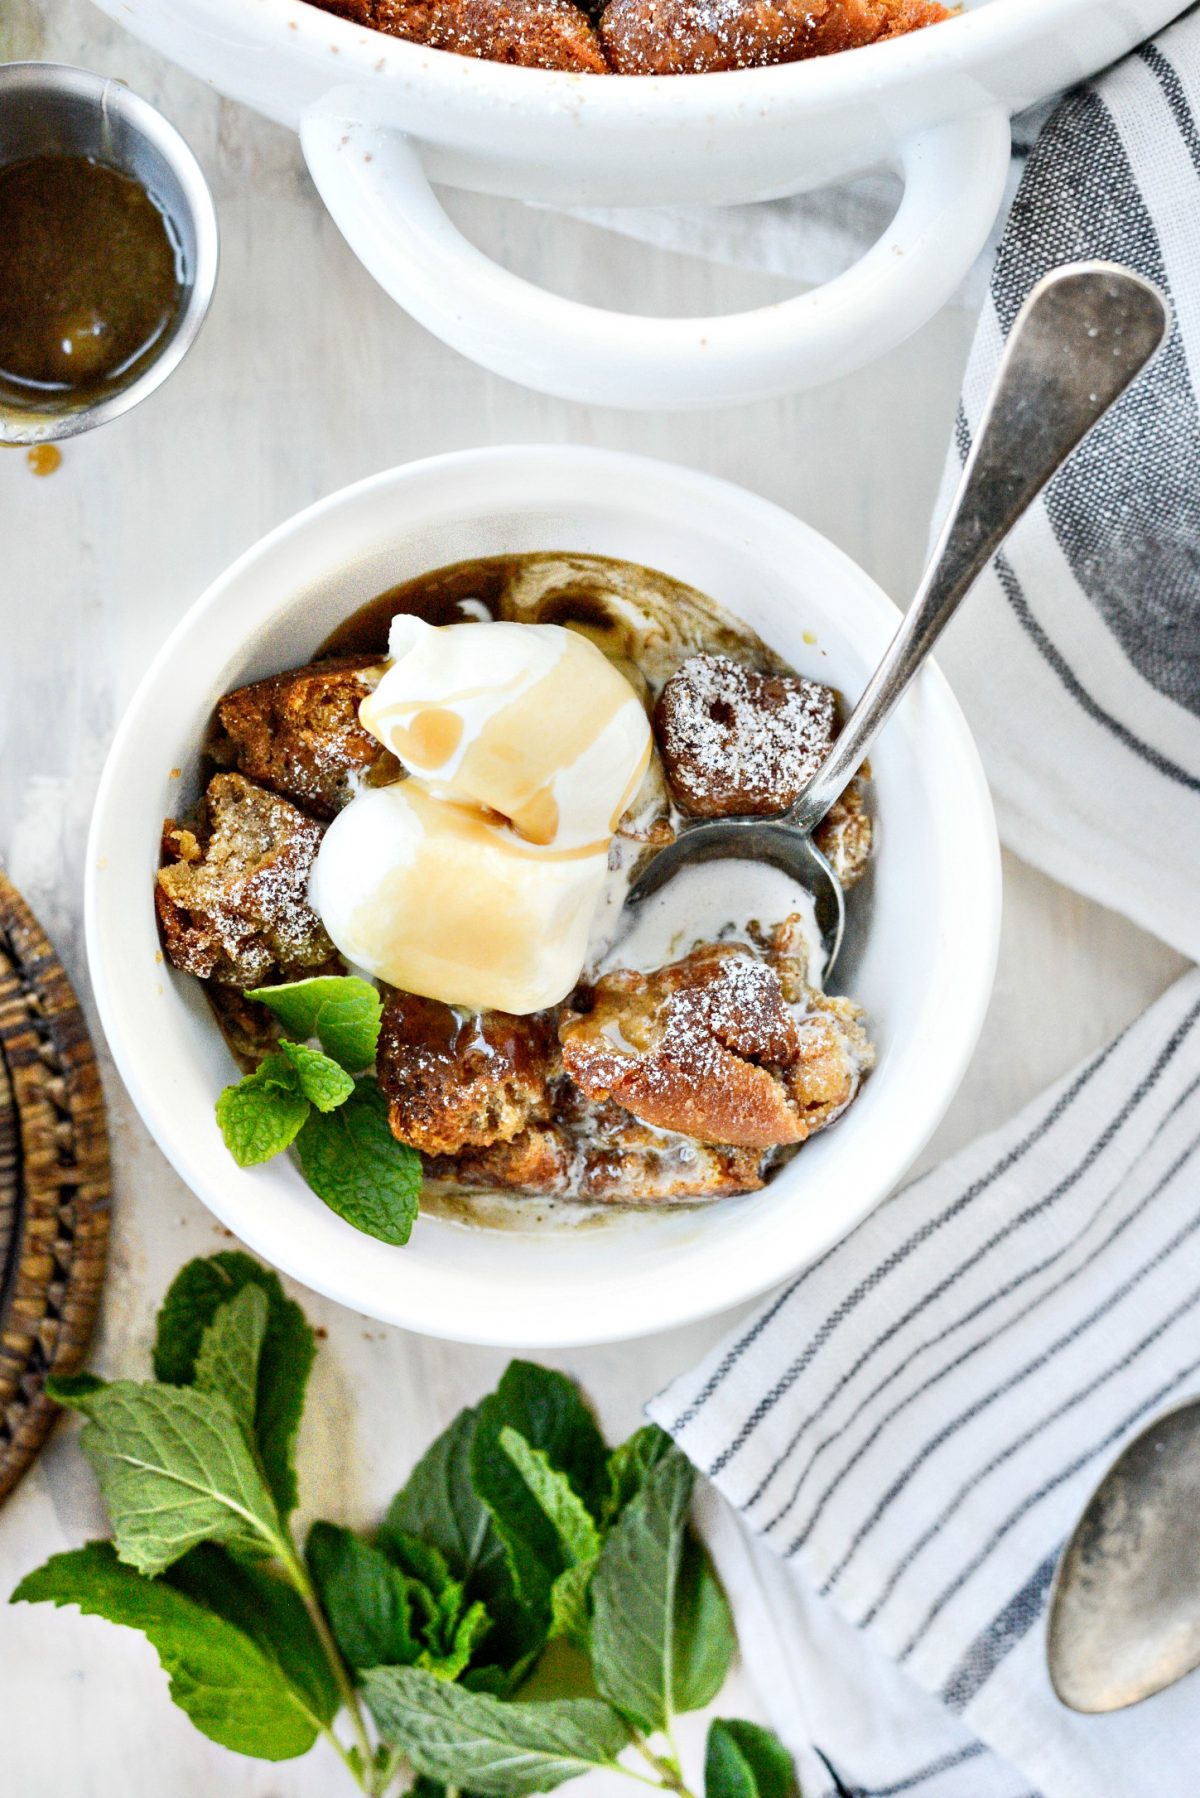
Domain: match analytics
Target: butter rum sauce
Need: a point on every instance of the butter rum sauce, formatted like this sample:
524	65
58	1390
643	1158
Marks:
89	281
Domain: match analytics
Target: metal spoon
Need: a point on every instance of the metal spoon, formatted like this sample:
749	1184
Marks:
1125	1610
1082	335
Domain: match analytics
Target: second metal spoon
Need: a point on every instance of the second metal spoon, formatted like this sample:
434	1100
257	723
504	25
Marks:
1124	1619
1082	335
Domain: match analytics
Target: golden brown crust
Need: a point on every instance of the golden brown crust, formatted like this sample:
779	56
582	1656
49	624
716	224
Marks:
714	1048
674	1048
642	37
232	900
457	1081
735	741
536	34
299	733
683	37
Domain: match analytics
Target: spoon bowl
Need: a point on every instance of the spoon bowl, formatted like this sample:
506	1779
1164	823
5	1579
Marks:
772	840
1124	1619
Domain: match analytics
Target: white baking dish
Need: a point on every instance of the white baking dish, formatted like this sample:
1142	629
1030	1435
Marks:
380	119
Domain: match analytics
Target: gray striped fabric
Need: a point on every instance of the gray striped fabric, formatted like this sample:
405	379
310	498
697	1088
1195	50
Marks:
1089	626
914	1424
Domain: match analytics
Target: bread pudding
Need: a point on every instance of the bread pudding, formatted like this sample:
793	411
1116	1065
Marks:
642	37
452	801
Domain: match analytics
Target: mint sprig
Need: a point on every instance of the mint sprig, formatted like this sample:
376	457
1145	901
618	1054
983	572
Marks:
197	1294
353	1162
323	1081
535	1606
263	1113
340	1010
310	1097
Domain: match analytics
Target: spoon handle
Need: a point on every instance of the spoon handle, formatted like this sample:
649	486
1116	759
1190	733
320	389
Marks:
1082	335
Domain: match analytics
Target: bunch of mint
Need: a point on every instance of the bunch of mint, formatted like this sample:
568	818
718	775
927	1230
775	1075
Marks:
532	1607
324	1102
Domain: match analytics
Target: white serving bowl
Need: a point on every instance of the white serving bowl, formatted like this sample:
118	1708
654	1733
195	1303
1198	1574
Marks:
924	971
380	119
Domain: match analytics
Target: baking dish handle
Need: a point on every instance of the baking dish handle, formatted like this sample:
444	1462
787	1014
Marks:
373	182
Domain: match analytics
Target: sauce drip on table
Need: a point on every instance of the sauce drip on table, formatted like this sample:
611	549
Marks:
89	281
44	458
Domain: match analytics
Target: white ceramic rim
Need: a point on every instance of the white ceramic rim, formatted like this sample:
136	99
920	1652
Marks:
955	1002
968	38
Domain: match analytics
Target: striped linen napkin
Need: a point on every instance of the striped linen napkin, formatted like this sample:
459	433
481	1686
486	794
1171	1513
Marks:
916	1422
1089	623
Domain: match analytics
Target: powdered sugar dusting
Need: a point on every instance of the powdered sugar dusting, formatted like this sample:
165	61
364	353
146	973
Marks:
735	740
246	892
740	1009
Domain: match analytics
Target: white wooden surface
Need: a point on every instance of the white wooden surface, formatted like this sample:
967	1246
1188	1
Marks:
305	378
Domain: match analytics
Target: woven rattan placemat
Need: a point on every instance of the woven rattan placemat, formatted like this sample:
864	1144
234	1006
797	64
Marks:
54	1183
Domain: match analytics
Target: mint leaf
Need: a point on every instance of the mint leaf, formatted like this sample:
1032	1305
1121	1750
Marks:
353	1162
227	1360
629	1466
174	1469
440	1506
546	1409
502	1749
635	1594
422	1562
259	1603
705	1639
261	1115
452	1659
233	1692
569	1616
323	1081
364	1598
744	1760
572	1522
449	1629
196	1294
341	1011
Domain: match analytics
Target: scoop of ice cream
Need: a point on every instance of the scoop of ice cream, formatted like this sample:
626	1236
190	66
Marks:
476	880
437	899
530	720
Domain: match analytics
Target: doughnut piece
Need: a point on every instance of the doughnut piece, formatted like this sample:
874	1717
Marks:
530	34
694	37
299	734
457	1080
734	741
844	836
232	899
684	1048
